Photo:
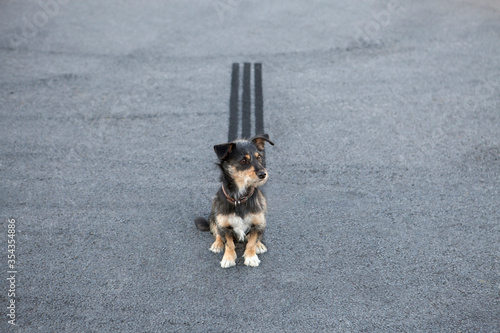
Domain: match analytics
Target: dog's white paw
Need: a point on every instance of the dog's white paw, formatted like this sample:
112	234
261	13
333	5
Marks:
226	263
252	261
260	248
217	247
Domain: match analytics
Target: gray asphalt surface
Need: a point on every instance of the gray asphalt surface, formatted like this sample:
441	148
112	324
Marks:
383	196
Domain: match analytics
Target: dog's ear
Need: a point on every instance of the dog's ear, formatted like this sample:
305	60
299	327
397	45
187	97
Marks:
259	141
223	150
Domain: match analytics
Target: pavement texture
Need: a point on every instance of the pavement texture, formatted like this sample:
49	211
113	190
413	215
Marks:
383	195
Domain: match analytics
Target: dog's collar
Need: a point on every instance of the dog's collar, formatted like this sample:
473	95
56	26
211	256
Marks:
241	200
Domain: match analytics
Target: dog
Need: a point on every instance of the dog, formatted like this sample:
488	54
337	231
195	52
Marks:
239	207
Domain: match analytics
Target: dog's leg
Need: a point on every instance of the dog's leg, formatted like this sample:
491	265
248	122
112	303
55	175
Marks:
229	258
259	220
251	258
218	245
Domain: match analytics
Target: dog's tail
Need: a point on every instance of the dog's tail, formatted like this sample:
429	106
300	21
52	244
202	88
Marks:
202	224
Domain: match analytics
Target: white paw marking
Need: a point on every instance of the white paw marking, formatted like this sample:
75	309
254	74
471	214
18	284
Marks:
216	248
259	249
225	263
252	261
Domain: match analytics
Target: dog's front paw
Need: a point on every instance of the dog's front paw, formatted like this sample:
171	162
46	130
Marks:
252	261
260	248
226	263
217	247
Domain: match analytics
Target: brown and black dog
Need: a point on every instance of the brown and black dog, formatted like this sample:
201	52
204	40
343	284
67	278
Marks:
239	207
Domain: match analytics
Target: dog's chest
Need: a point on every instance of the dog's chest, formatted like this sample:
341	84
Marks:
240	225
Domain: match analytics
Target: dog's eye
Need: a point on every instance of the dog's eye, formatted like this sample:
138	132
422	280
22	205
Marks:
259	157
243	161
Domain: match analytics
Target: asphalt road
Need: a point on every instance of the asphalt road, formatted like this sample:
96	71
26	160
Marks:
383	195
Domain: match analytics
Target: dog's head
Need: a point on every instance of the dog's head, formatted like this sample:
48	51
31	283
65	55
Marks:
244	160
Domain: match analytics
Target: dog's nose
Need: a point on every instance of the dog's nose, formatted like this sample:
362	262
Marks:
261	174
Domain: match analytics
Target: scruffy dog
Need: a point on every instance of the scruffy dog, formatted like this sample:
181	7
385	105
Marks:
239	207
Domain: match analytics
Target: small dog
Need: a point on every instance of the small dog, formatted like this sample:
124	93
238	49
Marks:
239	207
